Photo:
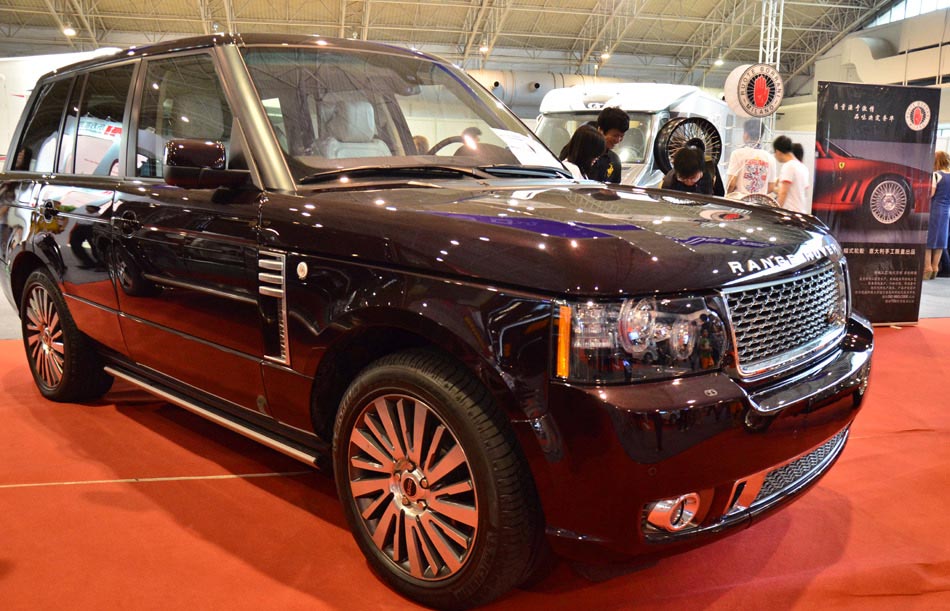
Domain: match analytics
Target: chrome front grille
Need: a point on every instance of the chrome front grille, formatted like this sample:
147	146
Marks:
777	323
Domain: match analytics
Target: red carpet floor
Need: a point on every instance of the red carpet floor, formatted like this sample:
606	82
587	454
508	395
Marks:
135	504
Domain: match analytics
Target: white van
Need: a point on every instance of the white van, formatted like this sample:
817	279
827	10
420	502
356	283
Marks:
647	146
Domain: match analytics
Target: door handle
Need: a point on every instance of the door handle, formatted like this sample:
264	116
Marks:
129	223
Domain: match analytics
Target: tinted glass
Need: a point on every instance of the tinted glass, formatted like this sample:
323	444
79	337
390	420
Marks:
335	109
37	150
67	145
182	99
555	130
99	138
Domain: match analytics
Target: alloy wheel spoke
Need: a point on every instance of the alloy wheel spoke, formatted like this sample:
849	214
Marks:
384	526
362	440
363	487
466	514
452	459
361	462
381	441
456	488
413	545
370	510
441	546
460	538
426	547
385	416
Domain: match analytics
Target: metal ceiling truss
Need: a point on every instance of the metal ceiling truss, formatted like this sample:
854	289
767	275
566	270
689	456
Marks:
636	34
841	20
354	19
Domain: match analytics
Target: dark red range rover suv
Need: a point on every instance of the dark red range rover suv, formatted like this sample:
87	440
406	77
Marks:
304	240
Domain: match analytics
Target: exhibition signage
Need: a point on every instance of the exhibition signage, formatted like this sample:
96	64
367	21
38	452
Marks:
874	151
754	90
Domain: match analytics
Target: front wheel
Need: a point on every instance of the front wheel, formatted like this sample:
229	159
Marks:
64	364
888	199
432	482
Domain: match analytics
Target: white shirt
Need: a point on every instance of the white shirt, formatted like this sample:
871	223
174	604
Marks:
753	168
575	171
795	175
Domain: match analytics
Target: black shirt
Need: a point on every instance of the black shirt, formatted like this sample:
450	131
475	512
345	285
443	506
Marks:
710	183
703	185
606	168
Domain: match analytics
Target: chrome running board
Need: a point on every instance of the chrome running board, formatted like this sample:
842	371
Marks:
213	416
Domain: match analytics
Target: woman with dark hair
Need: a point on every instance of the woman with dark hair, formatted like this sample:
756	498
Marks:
799	151
939	224
584	147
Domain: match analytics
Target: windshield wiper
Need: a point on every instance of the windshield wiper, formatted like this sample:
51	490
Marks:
413	171
526	171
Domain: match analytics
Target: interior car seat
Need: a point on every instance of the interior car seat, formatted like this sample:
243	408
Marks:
352	132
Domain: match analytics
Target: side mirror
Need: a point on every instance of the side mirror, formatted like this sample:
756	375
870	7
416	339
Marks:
199	164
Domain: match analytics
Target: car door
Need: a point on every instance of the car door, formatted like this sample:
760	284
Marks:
186	259
74	196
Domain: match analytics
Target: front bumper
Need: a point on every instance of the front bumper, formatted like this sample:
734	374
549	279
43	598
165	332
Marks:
609	452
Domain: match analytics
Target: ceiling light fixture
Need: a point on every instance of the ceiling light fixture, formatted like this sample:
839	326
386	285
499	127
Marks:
483	49
719	61
604	56
69	30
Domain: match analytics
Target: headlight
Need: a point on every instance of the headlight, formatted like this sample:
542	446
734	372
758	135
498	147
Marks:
638	339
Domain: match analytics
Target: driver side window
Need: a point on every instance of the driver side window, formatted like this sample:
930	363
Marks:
182	99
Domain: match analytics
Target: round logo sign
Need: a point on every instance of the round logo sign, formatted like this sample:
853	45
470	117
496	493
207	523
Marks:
917	115
724	215
758	89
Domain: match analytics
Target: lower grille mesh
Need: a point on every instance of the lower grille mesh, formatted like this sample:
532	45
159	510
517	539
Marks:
798	470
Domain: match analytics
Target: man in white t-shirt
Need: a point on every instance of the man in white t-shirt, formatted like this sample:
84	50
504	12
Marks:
792	179
751	169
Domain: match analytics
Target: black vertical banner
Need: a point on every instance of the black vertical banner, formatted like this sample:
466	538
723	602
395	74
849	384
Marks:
874	151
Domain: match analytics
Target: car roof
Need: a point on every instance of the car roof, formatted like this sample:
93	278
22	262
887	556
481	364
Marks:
212	40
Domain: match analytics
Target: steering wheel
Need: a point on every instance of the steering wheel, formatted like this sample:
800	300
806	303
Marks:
441	144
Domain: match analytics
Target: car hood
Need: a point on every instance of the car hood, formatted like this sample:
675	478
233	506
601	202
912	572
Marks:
559	237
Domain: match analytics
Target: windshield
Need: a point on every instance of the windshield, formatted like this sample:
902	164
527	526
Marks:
555	130
335	109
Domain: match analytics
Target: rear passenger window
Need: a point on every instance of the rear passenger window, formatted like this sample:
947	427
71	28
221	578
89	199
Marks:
99	137
182	99
37	150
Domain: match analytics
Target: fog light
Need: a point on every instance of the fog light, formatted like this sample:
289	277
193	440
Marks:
673	515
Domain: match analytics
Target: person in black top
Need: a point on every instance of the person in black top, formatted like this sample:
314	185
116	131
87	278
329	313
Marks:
613	123
711	170
689	172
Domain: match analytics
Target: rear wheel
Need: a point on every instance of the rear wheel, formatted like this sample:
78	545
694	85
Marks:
432	482
888	199
64	364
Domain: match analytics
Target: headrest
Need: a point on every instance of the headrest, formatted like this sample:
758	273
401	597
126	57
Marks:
353	121
198	114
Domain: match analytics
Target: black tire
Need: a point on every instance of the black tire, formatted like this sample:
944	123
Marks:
888	200
470	534
686	131
64	364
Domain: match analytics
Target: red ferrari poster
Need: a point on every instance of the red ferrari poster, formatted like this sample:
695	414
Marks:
874	151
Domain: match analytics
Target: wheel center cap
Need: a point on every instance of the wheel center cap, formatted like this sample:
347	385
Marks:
410	487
